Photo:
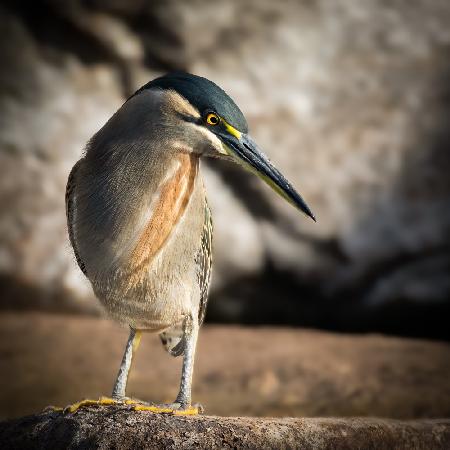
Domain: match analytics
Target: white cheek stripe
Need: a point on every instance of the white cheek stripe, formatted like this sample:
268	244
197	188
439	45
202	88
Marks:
215	142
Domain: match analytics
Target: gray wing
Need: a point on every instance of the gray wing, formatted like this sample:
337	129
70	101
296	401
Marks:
173	339
71	212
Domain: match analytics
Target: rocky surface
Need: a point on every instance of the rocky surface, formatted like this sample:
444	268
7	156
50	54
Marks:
351	102
115	427
48	359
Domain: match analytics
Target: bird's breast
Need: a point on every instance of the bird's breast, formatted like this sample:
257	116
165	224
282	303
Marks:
140	254
157	285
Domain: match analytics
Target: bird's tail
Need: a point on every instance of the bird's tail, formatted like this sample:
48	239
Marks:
174	340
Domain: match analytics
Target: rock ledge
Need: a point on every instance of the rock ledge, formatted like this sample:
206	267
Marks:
120	428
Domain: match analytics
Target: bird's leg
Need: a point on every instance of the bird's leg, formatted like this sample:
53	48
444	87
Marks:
134	339
191	334
118	394
182	404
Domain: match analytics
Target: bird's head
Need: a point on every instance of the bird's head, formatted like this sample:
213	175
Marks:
213	125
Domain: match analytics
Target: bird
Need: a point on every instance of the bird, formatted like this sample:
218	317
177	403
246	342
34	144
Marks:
139	221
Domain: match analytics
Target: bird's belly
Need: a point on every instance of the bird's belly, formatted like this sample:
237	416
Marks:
157	298
154	305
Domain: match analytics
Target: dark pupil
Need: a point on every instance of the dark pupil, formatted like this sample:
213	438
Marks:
213	119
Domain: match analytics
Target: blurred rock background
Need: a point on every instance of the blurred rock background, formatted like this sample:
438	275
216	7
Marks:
350	99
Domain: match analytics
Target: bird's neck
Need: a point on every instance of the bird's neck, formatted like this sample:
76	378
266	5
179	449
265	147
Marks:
168	205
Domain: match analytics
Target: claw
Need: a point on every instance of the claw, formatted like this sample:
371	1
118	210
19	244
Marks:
52	408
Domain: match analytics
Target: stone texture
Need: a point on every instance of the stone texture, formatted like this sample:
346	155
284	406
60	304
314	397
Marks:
350	100
115	427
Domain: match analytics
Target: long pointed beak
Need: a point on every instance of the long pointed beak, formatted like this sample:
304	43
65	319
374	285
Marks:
244	151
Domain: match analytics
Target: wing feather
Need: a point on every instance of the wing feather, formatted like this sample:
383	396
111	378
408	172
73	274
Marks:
71	212
204	263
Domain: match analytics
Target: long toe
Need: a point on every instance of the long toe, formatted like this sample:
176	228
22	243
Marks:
176	409
132	401
102	401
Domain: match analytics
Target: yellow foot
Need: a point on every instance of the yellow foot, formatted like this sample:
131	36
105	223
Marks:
138	405
163	409
102	401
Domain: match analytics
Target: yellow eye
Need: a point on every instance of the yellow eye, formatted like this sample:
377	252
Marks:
212	119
